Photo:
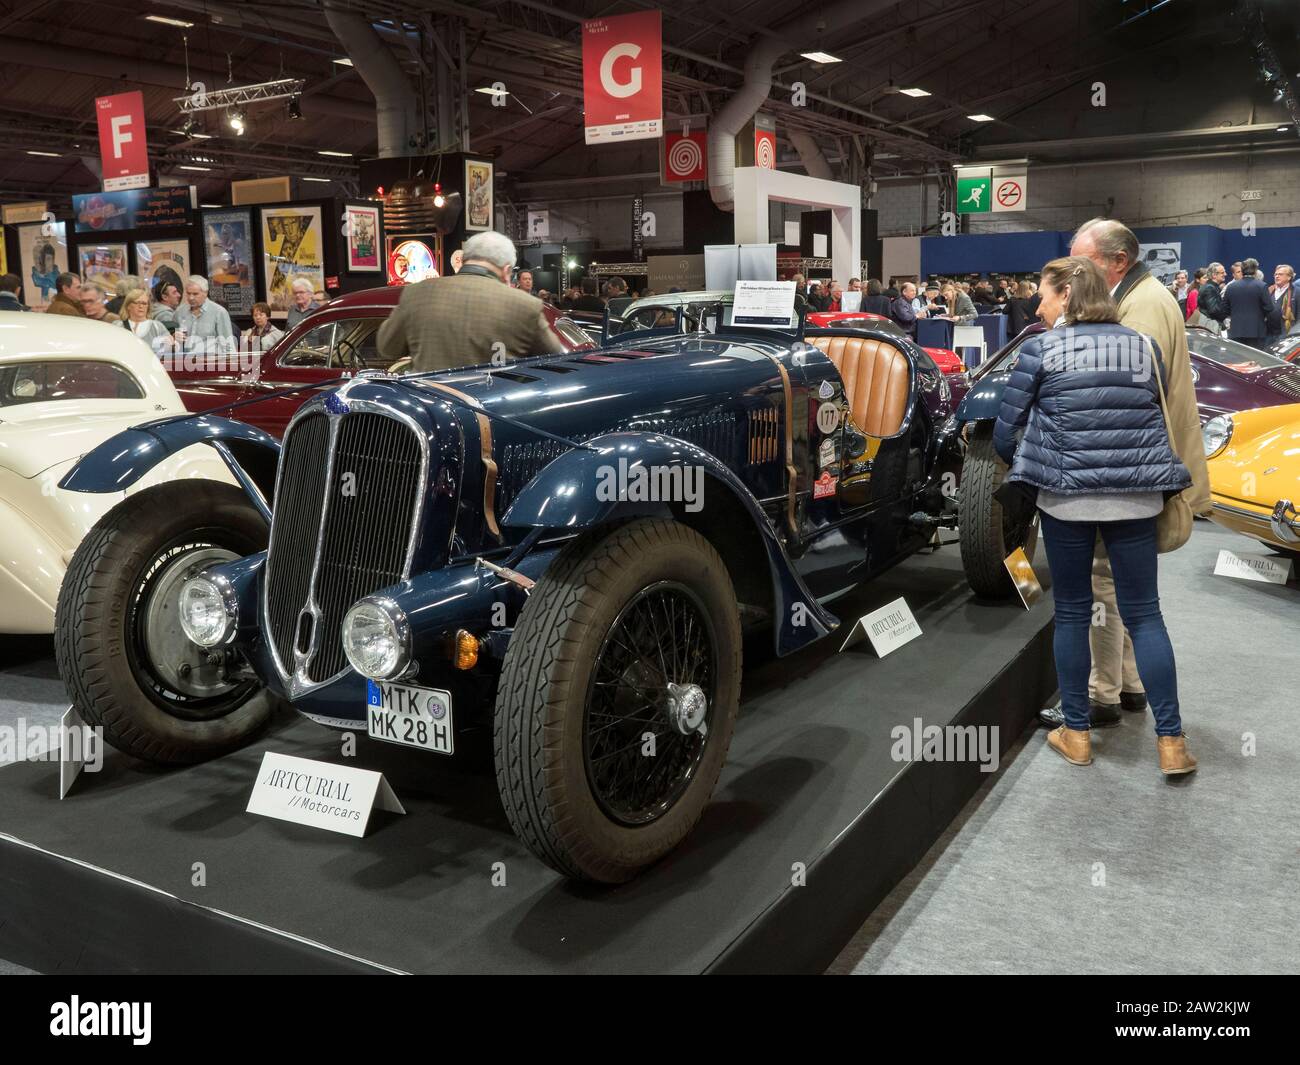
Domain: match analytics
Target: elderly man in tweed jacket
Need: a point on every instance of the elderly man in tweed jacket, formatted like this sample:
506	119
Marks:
471	317
1146	306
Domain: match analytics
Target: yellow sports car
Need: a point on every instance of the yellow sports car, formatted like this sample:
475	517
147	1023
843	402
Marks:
1254	461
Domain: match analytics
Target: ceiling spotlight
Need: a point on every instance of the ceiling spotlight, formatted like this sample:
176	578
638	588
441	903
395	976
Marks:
1282	129
236	117
914	92
980	118
295	107
439	200
573	264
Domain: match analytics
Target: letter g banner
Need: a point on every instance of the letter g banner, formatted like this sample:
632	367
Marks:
622	77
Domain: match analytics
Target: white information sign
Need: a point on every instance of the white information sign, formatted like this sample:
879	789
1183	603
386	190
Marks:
336	798
1253	567
769	303
887	628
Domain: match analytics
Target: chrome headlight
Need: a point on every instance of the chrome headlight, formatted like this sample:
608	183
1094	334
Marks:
377	639
1215	434
208	610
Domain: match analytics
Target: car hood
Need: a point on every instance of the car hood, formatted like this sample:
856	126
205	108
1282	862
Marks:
35	437
1264	452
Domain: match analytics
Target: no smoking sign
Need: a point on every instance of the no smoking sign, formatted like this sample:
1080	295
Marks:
1009	193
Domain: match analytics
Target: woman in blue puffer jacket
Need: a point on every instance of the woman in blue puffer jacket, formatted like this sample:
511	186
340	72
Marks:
1096	451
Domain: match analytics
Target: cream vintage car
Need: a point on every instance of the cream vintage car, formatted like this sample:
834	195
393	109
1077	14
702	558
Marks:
67	385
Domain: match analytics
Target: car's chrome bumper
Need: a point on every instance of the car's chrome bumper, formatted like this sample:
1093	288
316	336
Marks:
1283	522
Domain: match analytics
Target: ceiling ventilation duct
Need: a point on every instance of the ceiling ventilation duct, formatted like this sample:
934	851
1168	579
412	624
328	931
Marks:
800	34
398	123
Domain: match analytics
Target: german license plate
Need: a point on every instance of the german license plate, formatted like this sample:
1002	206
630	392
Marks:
417	717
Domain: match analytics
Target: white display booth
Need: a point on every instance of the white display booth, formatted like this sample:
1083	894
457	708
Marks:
757	186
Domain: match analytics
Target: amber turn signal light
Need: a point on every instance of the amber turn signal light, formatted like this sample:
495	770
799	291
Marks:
466	650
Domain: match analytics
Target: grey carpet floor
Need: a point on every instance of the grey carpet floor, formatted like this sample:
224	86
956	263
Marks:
1105	869
1112	868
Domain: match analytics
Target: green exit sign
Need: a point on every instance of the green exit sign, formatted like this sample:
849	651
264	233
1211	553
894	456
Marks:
973	194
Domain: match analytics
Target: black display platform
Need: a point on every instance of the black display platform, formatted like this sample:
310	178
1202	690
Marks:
101	882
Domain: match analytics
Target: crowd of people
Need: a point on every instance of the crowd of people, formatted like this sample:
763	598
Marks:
1245	306
168	317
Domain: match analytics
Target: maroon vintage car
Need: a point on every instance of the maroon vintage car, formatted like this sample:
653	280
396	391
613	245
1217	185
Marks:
335	341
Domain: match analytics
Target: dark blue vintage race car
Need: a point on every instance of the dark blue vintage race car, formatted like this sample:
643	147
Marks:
567	549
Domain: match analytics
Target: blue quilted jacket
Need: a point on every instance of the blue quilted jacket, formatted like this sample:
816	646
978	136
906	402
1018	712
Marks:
1086	397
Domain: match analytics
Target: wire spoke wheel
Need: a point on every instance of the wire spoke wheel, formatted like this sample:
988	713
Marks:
638	760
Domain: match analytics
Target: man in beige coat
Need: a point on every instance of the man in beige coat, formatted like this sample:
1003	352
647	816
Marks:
1146	306
470	318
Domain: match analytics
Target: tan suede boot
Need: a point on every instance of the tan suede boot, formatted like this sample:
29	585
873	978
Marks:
1175	758
1074	745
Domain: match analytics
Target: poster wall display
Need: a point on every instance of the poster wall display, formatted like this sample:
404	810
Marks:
412	259
105	264
228	250
44	254
1164	260
163	262
363	238
622	78
292	246
478	195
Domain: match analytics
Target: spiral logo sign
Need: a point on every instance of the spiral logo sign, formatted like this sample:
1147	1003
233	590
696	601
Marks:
684	155
765	149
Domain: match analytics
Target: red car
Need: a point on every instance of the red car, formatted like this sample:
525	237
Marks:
946	359
335	341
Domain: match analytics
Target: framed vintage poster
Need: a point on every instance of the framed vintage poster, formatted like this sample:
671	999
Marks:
363	238
292	247
478	195
43	251
162	262
105	264
228	251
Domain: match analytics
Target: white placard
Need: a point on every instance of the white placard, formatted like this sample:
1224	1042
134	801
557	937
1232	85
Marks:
1253	567
819	246
850	301
539	224
76	748
792	234
337	798
769	303
887	628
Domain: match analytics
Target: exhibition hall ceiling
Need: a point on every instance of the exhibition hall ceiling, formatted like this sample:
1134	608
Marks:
1029	64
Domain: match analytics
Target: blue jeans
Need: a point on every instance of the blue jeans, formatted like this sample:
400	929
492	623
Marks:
1131	546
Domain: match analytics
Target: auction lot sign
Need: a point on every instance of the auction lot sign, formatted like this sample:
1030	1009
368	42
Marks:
622	78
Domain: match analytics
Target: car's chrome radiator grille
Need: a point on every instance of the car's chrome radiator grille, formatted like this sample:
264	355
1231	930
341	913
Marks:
341	528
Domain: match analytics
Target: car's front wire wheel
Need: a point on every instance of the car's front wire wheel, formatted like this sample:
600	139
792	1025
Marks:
617	699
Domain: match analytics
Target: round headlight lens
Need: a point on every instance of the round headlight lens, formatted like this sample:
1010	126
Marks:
204	616
375	639
1215	434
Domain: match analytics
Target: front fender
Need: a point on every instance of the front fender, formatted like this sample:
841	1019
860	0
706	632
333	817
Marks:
573	492
983	402
122	460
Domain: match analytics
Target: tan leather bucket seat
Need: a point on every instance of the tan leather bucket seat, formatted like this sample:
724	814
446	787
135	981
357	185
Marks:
875	375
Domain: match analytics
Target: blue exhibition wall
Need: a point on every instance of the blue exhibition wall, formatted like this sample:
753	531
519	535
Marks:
1026	252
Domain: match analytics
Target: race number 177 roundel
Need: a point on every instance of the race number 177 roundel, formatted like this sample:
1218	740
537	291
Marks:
684	156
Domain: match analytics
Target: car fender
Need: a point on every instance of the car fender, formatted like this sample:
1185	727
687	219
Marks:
578	491
984	400
248	453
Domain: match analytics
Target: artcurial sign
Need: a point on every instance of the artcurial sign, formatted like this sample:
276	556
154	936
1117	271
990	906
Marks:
123	151
622	77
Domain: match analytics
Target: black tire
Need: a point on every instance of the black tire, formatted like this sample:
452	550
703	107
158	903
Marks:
986	535
98	641
548	681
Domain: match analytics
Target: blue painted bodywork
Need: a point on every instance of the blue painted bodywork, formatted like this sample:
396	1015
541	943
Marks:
718	402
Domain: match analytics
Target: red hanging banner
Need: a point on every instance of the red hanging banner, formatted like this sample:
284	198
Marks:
123	151
622	77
